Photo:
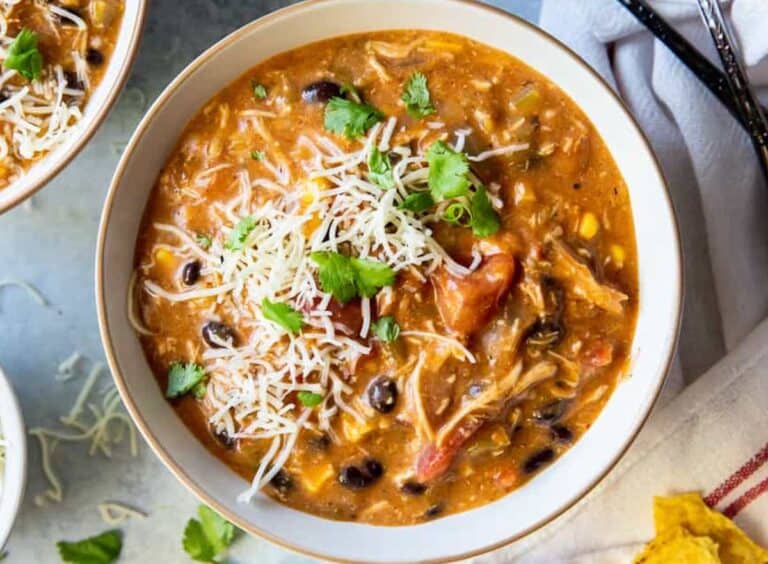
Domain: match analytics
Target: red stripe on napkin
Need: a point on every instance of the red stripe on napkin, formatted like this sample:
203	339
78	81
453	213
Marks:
733	509
733	481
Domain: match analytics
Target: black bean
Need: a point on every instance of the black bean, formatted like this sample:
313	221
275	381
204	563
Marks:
72	81
353	478
320	91
382	394
562	433
538	460
474	390
373	468
224	438
434	510
551	411
413	488
191	272
94	56
320	442
214	331
282	481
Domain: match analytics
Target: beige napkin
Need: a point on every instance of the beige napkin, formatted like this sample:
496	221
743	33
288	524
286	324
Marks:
712	438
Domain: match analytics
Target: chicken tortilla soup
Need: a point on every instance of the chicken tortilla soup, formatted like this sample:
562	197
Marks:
387	277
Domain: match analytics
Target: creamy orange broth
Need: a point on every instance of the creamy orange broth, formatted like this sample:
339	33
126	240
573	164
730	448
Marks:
551	305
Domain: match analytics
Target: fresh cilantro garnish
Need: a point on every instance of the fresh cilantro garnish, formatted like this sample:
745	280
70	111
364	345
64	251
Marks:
310	399
183	378
349	277
417	202
351	119
282	314
457	213
386	329
380	169
209	537
484	219
239	234
24	56
416	96
204	240
257	155
448	171
99	549
351	92
259	90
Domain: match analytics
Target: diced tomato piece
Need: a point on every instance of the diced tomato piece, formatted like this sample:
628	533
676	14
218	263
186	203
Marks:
507	478
435	461
598	354
466	304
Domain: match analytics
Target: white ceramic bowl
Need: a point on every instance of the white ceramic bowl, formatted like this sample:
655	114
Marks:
14	476
95	113
475	531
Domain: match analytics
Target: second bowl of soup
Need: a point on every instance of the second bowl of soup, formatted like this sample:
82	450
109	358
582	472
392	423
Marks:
388	276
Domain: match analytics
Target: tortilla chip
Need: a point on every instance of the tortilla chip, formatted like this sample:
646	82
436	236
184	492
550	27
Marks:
688	531
678	545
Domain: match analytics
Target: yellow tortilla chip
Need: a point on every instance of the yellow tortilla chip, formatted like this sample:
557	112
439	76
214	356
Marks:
689	532
678	545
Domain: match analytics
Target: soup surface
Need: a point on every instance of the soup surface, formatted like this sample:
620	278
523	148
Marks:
53	55
388	277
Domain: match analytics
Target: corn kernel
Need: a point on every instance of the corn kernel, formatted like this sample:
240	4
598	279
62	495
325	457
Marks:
354	430
310	193
588	226
315	476
618	255
164	258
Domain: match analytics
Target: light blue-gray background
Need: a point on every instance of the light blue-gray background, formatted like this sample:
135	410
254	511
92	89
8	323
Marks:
51	245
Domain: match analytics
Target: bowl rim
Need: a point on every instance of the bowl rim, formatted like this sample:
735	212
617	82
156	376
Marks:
100	115
11	426
178	471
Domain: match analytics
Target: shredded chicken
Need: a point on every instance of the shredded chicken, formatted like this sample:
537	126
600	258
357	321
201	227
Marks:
582	281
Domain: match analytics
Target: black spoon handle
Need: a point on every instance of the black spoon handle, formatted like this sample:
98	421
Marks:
751	113
708	74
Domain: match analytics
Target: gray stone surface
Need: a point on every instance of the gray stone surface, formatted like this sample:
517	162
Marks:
51	244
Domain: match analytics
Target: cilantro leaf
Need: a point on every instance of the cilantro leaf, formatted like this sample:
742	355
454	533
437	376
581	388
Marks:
239	234
484	219
372	275
257	155
386	329
448	171
99	549
282	314
349	277
207	538
351	119
380	169
24	56
417	202
416	96
259	90
351	92
310	399
183	378
203	240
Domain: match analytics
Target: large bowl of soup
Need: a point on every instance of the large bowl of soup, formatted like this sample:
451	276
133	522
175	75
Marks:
389	281
63	65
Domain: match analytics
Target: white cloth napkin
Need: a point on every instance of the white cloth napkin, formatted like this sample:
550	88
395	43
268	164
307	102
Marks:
703	436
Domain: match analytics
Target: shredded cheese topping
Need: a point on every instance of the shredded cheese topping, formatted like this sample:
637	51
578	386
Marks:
338	209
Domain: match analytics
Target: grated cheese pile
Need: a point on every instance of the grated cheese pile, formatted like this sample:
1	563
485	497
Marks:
336	208
102	425
37	117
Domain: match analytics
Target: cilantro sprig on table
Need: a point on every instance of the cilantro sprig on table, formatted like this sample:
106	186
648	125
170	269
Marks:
184	378
23	55
416	96
282	314
349	277
208	538
100	549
